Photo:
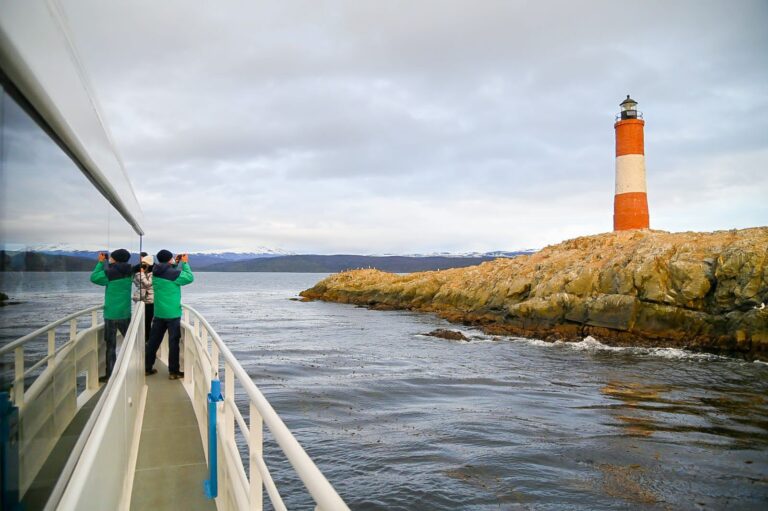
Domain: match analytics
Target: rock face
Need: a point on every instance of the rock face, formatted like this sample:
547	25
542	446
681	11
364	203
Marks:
701	291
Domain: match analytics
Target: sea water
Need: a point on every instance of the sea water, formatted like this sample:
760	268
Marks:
399	420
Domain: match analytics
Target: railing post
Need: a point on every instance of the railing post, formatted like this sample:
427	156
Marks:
256	441
92	374
94	318
228	426
229	396
18	382
214	361
189	366
72	329
52	348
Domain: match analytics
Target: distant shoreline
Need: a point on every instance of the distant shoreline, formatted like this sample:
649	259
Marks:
310	263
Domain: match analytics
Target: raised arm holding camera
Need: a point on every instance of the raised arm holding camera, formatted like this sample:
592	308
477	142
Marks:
167	280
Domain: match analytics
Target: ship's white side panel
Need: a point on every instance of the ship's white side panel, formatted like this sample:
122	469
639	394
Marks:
38	57
103	475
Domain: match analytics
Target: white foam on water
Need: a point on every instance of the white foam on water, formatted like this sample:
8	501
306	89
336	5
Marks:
532	342
591	345
481	338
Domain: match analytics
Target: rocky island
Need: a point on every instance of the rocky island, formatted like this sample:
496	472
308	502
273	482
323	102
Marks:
700	291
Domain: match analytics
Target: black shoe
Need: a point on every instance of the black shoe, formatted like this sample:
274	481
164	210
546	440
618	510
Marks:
176	376
150	371
103	379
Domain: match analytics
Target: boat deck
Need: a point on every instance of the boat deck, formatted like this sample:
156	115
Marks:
46	479
171	467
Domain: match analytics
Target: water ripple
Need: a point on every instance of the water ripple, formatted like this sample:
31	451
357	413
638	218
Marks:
398	420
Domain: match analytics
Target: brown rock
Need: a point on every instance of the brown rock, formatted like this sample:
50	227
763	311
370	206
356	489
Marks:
451	335
643	287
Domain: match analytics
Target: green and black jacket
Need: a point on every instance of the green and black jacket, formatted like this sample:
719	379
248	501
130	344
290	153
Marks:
118	278
167	280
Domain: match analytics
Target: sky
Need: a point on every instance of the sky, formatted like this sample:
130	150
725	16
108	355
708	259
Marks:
425	126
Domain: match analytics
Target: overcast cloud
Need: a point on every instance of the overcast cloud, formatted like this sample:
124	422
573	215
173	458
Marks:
402	127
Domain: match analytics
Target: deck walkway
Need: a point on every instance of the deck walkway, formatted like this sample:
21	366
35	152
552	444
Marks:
38	493
171	467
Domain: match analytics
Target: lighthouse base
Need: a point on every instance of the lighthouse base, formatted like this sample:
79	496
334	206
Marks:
630	211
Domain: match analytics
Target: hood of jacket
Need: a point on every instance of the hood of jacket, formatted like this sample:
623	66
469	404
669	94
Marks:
165	271
118	271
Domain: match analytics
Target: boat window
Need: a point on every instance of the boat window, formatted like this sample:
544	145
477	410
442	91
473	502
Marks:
53	223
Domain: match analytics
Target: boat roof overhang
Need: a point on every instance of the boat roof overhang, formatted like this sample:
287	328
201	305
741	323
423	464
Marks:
41	69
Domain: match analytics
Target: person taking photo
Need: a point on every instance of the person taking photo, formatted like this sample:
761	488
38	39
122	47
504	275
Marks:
116	277
167	279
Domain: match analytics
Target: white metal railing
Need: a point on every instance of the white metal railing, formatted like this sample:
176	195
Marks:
203	351
99	474
52	400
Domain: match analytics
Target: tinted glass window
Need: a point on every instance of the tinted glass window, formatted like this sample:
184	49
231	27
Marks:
53	223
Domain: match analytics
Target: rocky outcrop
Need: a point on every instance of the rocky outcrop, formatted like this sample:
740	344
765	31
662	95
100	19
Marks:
702	291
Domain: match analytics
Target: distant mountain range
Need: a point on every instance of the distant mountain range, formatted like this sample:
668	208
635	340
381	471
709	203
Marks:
80	260
38	261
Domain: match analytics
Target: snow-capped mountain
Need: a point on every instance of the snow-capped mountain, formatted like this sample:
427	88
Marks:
197	259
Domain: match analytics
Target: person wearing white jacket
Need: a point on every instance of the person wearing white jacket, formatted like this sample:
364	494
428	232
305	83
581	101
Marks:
142	279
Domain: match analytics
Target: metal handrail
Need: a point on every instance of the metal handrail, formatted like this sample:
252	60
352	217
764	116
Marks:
77	450
40	331
76	474
18	346
269	484
42	424
317	485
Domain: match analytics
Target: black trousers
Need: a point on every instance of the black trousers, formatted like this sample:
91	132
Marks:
111	326
159	327
149	313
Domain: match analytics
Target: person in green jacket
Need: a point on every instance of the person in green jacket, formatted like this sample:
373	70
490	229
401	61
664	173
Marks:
167	280
117	276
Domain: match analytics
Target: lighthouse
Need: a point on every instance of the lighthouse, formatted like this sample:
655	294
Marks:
630	204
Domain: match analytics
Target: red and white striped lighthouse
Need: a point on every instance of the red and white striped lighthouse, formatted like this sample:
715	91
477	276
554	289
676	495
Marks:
630	205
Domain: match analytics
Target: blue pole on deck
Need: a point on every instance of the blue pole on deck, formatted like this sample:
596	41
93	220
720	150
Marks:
211	485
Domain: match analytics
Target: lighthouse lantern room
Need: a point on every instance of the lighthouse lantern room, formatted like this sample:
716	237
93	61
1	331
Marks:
629	108
630	205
